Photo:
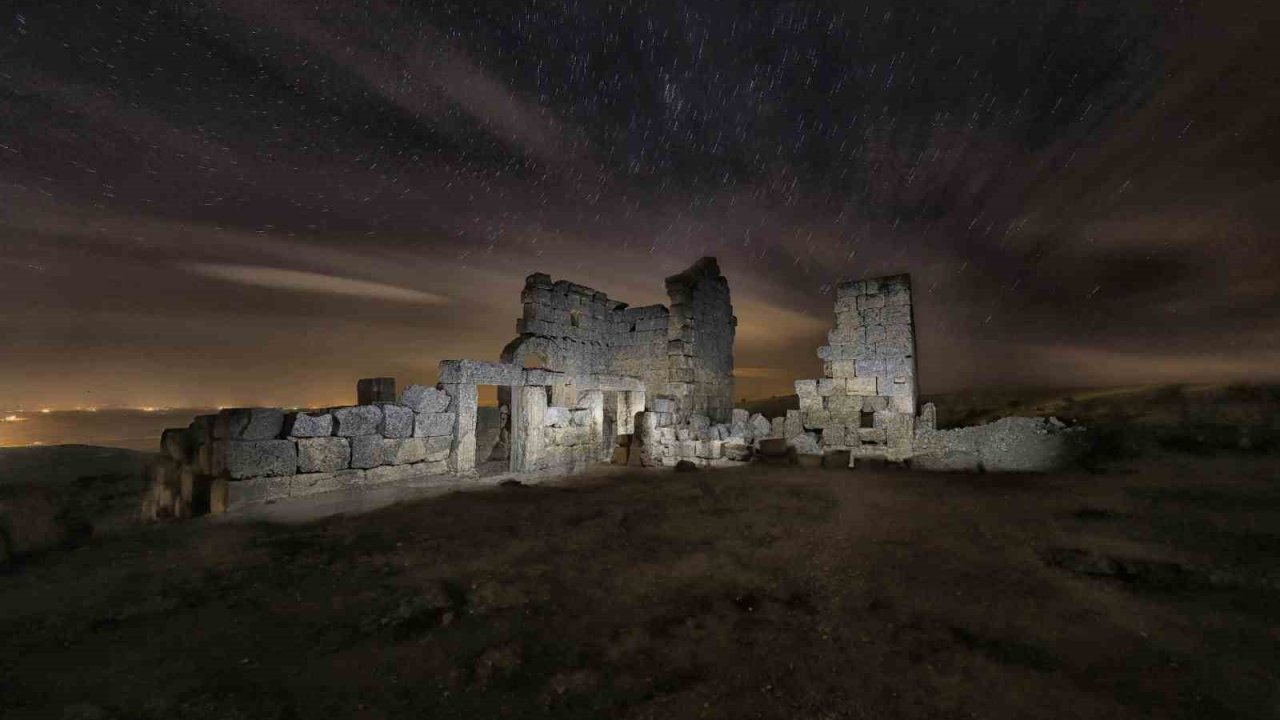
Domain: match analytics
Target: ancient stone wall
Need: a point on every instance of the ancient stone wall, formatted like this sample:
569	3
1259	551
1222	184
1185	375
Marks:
685	352
247	455
866	402
701	333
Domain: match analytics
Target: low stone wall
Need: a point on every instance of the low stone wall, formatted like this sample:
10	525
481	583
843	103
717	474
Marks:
664	438
1012	444
248	455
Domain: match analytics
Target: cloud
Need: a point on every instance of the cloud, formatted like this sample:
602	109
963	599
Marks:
300	281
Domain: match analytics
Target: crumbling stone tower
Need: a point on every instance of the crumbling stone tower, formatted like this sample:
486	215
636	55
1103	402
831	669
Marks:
701	333
867	401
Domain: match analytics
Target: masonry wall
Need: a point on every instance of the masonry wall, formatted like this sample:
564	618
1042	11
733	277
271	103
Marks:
701	333
242	456
685	352
867	400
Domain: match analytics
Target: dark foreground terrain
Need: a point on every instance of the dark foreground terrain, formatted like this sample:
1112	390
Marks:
1148	590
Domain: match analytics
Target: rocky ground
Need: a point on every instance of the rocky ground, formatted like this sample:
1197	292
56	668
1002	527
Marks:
1146	588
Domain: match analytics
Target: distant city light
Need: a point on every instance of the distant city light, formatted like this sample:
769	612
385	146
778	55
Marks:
12	418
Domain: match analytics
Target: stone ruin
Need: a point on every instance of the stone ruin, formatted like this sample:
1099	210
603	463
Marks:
591	380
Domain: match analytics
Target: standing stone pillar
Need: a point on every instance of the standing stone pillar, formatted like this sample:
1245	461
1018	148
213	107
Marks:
528	413
631	404
464	401
375	390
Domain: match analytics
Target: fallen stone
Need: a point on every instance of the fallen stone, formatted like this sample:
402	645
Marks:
806	444
323	454
686	466
760	426
357	420
740	452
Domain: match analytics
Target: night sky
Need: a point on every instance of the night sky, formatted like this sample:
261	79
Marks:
241	202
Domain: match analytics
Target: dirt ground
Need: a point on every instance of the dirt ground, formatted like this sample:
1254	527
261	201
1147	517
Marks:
1150	590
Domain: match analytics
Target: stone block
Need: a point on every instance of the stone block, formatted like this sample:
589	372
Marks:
178	444
844	403
738	452
375	390
871	435
662	404
826	386
398	473
476	372
740	416
404	451
860	386
815	420
806	388
557	417
367	451
580	417
875	403
843	368
793	424
902	404
425	399
833	436
779	427
760	426
357	420
397	421
870	367
249	424
812	403
806	444
323	454
870	301
255	458
308	424
321	482
433	424
709	449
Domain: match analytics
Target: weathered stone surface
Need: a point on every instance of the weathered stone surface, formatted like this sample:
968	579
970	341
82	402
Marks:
793	424
424	399
557	417
178	444
779	427
1017	444
404	451
308	424
321	482
256	458
663	405
477	372
465	407
323	454
397	473
398	421
367	451
435	425
760	426
357	420
740	417
740	452
806	444
249	424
